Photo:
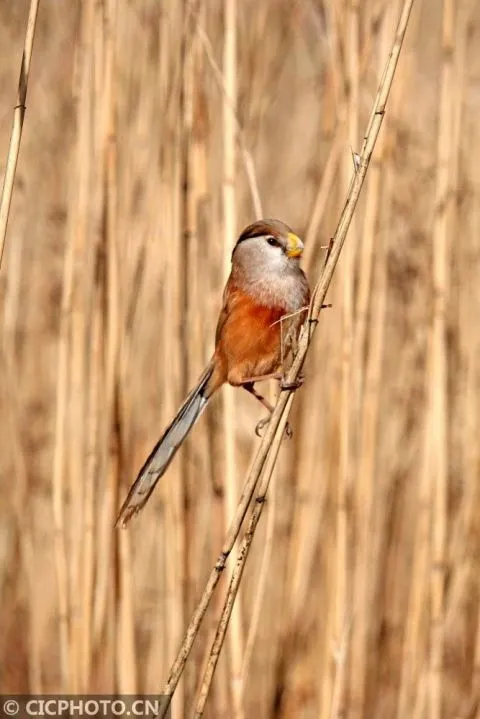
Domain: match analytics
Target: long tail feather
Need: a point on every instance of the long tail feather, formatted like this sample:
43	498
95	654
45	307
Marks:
165	449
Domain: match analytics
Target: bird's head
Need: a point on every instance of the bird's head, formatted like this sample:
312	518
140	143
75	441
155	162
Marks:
269	245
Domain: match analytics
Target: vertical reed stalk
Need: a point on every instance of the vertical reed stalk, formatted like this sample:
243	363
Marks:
438	380
343	597
175	339
91	470
108	450
229	412
65	392
83	301
366	395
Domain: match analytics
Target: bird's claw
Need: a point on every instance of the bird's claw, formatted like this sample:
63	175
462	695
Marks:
260	425
286	386
263	422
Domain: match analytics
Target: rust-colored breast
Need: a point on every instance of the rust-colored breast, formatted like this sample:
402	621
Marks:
248	340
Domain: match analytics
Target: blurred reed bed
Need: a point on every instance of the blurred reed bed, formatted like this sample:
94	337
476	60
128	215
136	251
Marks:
154	132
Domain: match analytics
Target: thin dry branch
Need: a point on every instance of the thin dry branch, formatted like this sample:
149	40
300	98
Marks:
274	430
247	158
18	117
237	572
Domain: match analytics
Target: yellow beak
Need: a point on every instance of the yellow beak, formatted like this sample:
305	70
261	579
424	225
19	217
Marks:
294	245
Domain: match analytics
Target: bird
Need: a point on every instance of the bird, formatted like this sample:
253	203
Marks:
265	301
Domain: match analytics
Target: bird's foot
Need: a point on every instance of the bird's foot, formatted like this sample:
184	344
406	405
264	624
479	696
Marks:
260	425
286	386
263	423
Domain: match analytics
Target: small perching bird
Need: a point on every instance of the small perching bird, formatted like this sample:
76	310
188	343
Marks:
264	305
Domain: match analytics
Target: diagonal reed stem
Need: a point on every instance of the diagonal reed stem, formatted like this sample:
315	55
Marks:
280	413
18	115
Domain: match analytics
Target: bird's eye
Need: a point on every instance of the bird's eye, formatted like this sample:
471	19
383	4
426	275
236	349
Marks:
273	242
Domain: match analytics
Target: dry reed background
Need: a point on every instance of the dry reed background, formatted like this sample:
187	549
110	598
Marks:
361	597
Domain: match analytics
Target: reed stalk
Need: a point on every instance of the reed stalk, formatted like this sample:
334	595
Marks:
367	362
17	126
70	310
229	404
438	387
236	576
